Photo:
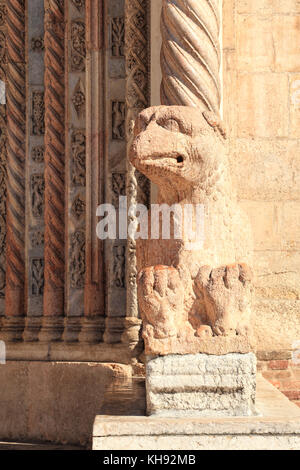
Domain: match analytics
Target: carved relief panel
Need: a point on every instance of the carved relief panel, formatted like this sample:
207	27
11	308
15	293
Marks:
119	274
118	187
78	99
37	276
79	4
78	207
37	43
38	154
117	36
78	143
76	165
37	188
77	259
37	239
78	50
35	184
115	251
118	120
38	113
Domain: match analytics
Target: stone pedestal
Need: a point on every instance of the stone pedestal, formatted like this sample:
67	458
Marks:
201	385
276	427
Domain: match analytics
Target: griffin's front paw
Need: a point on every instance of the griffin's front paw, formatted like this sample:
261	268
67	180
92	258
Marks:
227	296
160	296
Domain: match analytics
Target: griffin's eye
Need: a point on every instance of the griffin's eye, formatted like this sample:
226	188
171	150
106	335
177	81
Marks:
179	159
171	125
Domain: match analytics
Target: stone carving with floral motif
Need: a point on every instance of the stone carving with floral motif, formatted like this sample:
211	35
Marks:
192	300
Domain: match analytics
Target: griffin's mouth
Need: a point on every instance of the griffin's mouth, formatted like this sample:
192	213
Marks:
174	161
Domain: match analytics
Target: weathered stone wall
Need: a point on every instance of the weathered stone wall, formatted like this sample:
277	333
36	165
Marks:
261	69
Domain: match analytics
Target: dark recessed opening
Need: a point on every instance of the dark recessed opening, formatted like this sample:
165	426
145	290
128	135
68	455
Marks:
180	159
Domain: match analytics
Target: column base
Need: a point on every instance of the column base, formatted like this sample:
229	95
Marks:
132	332
72	329
52	329
92	330
201	385
12	328
32	329
114	328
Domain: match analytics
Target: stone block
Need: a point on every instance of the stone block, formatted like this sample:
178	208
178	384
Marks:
267	170
266	7
275	323
290	225
215	345
278	375
292	394
254	43
228	24
290	385
56	394
255	6
260	107
201	385
13	399
278	365
286	37
286	6
56	401
229	91
277	276
295	106
278	355
264	221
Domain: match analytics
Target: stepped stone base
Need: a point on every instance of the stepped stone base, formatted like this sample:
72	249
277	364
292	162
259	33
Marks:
277	427
201	385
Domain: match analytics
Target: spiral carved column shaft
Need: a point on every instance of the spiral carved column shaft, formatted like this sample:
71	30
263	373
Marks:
16	136
3	160
54	170
190	56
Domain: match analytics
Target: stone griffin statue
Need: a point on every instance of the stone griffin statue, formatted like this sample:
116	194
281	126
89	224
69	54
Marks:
189	297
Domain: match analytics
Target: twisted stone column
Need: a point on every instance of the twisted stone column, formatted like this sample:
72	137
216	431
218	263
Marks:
3	159
3	181
190	56
16	137
137	98
54	171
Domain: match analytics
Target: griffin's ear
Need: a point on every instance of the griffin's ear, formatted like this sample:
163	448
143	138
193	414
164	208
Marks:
215	122
140	123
